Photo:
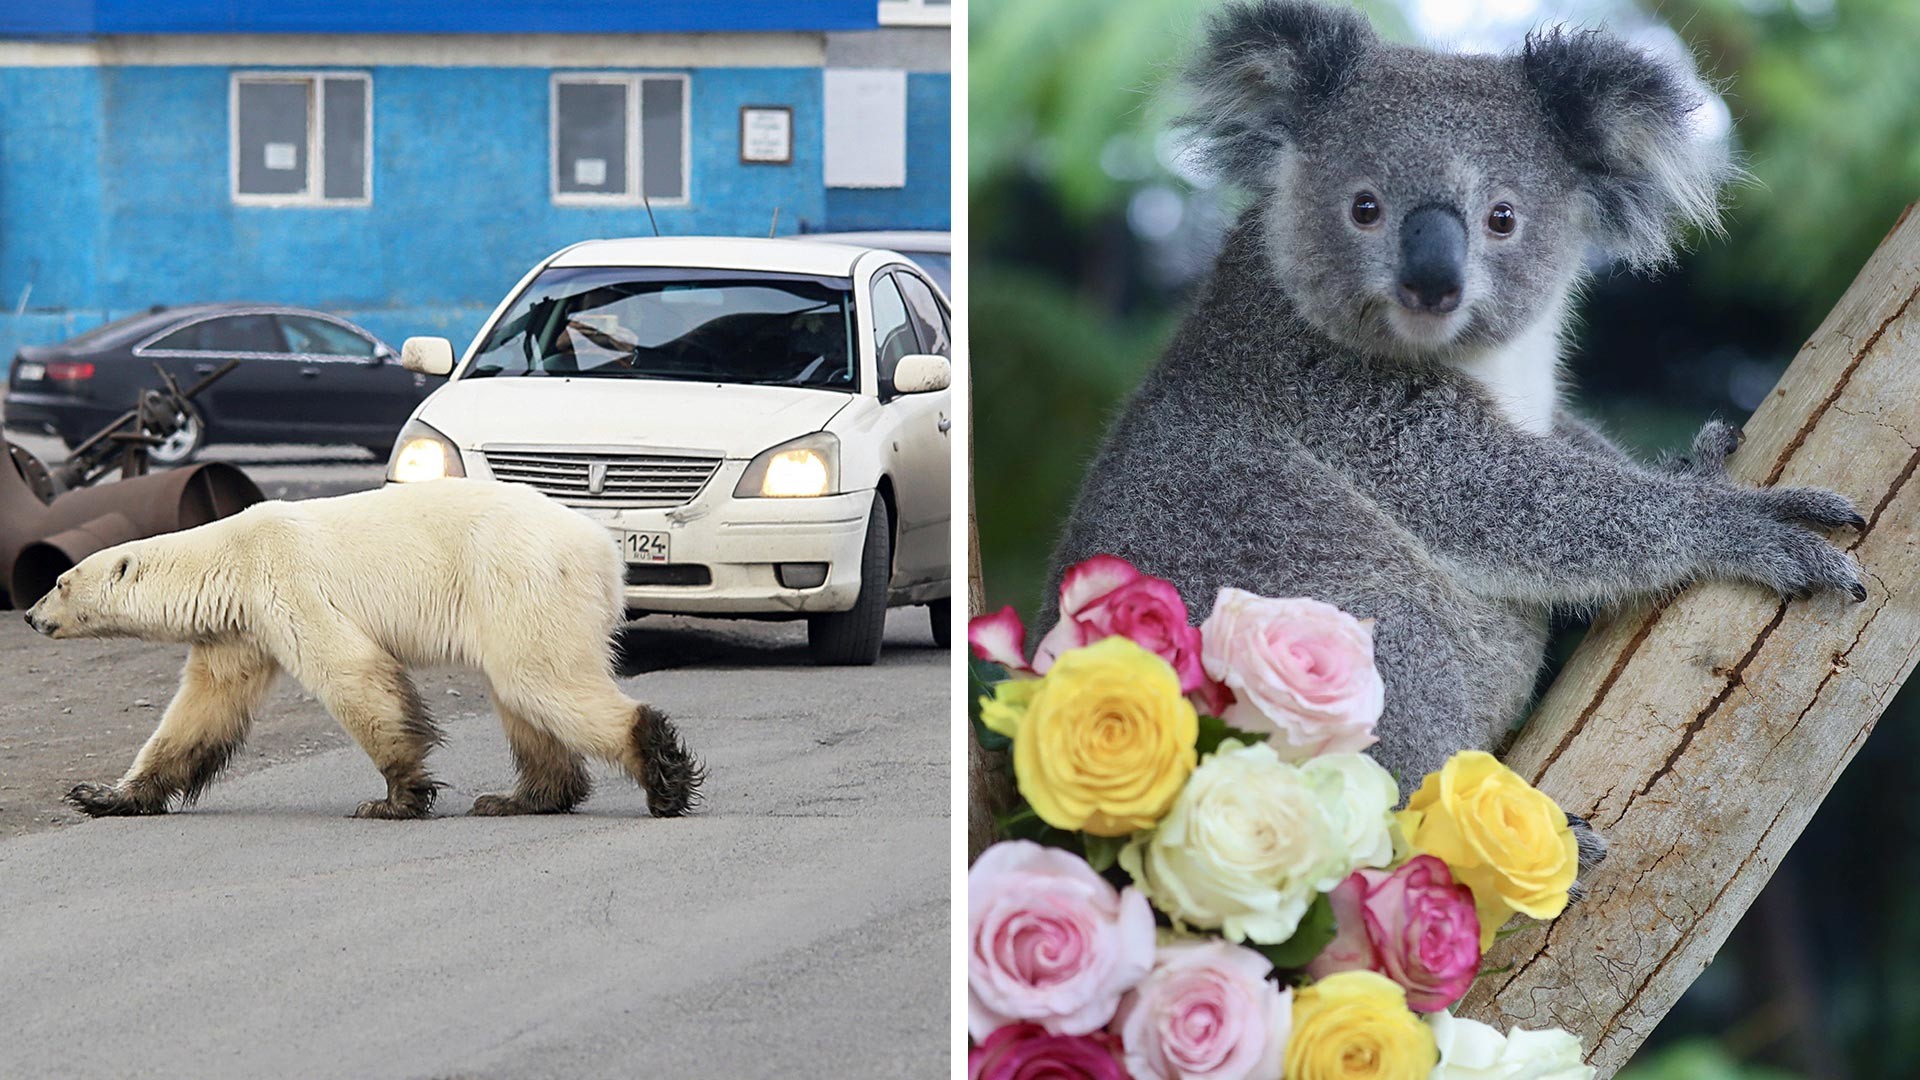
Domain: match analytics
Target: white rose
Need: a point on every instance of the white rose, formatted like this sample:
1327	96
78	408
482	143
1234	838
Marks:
1470	1050
1359	796
1246	847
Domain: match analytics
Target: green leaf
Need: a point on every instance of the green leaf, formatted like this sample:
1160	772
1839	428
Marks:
1024	824
1317	928
982	677
1102	851
1214	731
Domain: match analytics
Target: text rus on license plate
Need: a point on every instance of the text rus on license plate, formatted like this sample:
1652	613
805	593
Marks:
644	547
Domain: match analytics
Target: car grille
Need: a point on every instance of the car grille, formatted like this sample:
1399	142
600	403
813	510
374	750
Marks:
633	480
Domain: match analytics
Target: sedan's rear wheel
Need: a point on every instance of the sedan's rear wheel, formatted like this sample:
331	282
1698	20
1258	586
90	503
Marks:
853	637
940	614
180	447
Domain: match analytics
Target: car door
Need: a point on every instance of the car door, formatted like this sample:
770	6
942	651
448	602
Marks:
258	401
362	394
918	425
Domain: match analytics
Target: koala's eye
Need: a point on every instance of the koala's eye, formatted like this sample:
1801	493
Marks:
1501	219
1366	209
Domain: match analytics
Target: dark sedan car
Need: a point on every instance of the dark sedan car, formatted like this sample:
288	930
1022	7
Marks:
304	377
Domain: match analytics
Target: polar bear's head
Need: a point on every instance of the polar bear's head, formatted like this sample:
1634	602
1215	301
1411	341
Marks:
101	597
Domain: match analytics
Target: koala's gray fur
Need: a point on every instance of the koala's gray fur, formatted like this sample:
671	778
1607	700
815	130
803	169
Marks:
1310	433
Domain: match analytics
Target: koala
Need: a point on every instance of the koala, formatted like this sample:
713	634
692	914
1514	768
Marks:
1364	405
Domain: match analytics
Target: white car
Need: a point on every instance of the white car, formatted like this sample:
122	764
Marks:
762	424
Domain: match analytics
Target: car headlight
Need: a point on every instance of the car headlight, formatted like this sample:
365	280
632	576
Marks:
423	454
805	467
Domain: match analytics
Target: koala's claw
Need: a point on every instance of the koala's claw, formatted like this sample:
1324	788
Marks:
1812	507
1712	446
1798	564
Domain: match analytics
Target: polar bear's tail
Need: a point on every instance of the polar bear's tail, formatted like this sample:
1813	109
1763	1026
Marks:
671	774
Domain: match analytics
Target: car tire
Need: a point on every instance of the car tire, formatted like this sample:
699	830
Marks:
183	445
940	614
852	638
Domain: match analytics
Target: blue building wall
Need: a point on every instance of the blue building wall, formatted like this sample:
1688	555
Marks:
114	194
926	201
80	18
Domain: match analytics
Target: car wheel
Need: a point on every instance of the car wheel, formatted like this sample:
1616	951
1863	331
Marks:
180	447
940	614
853	637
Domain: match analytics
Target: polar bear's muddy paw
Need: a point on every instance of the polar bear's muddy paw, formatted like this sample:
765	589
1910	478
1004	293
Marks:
388	810
506	804
670	773
106	800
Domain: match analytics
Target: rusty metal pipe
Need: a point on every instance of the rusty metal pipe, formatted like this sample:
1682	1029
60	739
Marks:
80	522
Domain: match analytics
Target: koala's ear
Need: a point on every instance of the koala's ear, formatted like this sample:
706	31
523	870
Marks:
1629	121
1264	66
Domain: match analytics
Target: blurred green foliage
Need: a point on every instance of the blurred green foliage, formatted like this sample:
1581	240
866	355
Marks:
1071	298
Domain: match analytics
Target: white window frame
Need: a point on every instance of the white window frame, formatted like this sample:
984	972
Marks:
316	139
915	13
631	80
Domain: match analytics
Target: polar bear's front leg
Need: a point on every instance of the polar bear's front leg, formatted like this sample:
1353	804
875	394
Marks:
369	693
205	724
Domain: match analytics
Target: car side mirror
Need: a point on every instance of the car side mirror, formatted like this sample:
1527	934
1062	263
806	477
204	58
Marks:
427	355
922	373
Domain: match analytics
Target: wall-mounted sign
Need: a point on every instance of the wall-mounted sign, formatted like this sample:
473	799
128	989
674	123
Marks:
766	135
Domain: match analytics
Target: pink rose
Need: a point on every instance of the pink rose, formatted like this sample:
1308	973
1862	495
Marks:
1107	597
1299	669
1206	1012
1414	925
1000	638
1028	1052
1050	941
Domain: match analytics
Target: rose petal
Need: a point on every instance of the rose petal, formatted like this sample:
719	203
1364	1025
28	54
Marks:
999	638
1088	581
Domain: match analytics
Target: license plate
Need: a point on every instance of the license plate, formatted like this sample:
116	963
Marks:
644	547
32	372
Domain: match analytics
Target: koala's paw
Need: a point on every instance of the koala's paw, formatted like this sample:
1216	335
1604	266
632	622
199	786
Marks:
1812	507
1798	563
1707	457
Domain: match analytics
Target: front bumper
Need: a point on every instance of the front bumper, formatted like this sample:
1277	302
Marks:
740	542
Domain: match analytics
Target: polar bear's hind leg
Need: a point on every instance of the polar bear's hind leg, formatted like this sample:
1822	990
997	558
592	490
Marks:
553	777
221	686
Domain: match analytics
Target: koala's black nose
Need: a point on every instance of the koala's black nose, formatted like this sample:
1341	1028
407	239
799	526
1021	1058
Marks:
1433	259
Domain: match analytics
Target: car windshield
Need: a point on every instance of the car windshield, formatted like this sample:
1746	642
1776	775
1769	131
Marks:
685	325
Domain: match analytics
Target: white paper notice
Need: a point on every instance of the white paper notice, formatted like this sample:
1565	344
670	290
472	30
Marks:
589	171
766	135
280	155
866	122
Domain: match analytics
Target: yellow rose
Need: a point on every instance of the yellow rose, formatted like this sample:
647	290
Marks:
1502	838
1357	1025
1101	743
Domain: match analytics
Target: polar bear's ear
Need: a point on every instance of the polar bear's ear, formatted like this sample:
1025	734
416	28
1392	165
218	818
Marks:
120	568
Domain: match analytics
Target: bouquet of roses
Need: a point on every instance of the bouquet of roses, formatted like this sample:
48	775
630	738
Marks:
1215	777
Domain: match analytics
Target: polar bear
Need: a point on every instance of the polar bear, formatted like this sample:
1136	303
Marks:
345	594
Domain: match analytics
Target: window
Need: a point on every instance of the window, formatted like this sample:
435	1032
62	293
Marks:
928	319
892	332
309	336
916	12
616	136
229	334
302	140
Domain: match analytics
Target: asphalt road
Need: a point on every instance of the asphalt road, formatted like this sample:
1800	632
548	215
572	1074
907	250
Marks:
797	927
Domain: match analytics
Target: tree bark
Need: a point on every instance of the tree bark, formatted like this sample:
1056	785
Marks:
1700	734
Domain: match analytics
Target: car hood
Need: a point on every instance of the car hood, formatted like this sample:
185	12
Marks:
738	421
